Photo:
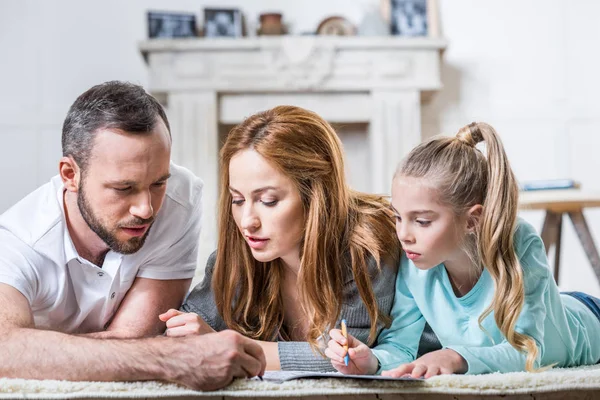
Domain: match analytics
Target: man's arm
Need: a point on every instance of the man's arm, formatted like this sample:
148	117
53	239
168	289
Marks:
138	313
205	362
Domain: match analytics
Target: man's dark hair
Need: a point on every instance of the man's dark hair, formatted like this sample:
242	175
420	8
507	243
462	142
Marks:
110	105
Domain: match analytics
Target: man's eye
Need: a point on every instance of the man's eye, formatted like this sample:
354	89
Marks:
123	189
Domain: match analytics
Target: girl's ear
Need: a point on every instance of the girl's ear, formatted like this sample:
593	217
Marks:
474	217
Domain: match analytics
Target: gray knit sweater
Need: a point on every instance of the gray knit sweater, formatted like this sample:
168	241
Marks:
300	356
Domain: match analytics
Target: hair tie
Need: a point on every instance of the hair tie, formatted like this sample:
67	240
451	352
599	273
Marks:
470	134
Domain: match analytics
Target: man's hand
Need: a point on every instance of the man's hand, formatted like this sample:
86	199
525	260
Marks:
184	324
438	362
362	360
212	361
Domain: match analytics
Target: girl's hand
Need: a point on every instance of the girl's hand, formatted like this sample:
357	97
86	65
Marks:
362	360
438	362
184	324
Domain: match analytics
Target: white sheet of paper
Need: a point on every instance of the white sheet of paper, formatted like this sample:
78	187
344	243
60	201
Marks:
282	376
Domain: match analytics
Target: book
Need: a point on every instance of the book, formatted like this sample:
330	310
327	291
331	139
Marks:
284	376
550	184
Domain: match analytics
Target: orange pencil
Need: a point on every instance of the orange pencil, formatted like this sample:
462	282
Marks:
345	333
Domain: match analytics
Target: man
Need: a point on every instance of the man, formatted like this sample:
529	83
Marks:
89	260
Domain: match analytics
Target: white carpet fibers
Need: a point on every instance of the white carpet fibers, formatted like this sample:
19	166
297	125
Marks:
582	378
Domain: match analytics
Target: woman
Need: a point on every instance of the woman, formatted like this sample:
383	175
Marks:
298	250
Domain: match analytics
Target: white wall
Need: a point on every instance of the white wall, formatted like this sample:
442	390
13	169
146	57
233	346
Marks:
528	67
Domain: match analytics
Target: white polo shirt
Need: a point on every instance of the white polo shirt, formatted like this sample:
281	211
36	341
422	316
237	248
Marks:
70	294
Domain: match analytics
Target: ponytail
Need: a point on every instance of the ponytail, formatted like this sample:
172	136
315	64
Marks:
495	239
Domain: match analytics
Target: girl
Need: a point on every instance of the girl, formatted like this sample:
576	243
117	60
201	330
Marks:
473	271
298	250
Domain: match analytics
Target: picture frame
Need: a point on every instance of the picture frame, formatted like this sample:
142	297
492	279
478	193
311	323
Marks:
412	18
170	25
223	22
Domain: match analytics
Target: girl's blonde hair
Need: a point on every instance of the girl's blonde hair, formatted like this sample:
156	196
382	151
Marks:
465	177
342	227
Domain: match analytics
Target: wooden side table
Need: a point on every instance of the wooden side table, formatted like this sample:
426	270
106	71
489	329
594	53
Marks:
559	202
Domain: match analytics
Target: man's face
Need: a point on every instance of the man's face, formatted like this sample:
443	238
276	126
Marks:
124	185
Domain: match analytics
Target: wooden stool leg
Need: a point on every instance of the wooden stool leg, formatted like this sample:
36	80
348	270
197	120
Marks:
585	236
551	237
557	248
548	233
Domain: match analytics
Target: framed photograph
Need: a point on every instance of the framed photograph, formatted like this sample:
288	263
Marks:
223	22
162	24
412	17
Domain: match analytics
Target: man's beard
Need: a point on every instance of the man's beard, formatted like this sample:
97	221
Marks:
109	236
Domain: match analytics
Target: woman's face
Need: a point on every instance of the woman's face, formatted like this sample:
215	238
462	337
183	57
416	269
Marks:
267	208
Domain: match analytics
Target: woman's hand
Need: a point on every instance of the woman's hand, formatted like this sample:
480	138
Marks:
362	360
184	324
438	362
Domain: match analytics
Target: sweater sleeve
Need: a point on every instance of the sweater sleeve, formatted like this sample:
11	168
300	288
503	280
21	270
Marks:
399	343
300	356
201	299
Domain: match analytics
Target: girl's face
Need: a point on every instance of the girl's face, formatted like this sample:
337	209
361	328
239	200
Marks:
430	232
267	208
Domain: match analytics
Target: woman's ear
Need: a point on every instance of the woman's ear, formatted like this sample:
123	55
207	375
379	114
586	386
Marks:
474	217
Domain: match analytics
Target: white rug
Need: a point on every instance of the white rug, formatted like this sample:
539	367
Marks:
582	378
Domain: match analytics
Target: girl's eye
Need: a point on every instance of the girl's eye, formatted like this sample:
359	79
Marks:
269	203
398	219
237	202
423	223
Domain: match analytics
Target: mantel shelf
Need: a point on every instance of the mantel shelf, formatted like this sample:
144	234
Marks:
262	42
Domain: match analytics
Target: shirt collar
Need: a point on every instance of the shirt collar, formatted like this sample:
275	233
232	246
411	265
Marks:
69	247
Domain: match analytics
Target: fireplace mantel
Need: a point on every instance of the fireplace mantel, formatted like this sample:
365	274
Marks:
376	80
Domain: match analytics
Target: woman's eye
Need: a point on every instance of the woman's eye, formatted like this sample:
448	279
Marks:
423	223
237	201
269	203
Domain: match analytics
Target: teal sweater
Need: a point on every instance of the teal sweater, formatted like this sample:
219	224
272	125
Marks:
565	330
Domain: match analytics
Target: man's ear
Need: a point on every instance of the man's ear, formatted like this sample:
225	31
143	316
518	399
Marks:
474	217
70	173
